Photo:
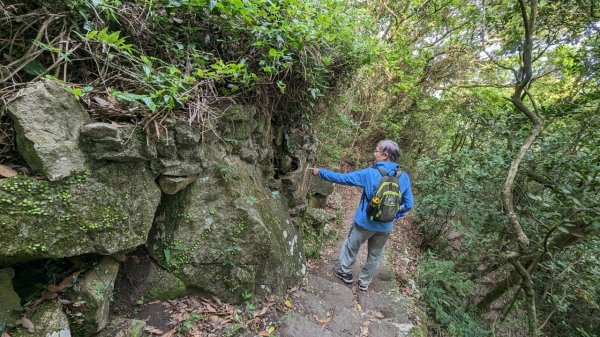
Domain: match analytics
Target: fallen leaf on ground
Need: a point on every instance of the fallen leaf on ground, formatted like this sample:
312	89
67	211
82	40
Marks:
7	172
288	303
209	308
24	321
262	312
153	330
102	102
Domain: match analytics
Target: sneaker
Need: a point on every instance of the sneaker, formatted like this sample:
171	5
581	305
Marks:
346	277
362	287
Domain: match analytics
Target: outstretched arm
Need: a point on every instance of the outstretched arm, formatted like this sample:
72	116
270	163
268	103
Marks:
356	178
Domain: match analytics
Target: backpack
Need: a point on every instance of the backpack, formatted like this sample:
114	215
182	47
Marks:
386	203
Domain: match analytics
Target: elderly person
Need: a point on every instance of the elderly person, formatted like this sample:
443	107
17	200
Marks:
364	229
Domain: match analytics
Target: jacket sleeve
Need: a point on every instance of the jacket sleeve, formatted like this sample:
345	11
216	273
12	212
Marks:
355	178
407	195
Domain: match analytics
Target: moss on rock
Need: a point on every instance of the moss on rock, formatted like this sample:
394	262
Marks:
162	285
109	211
225	234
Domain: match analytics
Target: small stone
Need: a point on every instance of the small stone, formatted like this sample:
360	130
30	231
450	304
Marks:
95	288
171	185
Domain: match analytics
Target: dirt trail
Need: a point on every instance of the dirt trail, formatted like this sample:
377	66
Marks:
325	306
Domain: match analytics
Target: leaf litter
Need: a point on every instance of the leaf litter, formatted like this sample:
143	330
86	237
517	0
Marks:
209	317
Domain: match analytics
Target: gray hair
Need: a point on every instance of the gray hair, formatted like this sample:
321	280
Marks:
390	148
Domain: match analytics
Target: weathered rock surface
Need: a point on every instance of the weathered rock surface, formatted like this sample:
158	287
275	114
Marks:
120	143
319	186
171	185
226	234
180	152
109	211
47	120
10	303
123	327
95	290
317	218
49	321
162	285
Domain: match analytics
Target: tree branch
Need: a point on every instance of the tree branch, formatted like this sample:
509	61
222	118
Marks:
527	284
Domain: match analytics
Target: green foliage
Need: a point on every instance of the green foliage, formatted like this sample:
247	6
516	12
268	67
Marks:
251	200
313	237
435	91
444	291
191	49
571	289
225	172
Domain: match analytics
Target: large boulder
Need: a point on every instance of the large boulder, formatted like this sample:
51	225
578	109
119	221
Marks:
94	290
226	234
109	211
10	303
47	120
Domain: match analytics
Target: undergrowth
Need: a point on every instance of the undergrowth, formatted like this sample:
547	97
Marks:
144	61
443	291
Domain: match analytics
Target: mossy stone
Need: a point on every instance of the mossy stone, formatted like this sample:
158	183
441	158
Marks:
225	234
105	212
10	303
162	285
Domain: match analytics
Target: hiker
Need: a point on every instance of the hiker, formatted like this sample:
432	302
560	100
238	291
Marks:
365	228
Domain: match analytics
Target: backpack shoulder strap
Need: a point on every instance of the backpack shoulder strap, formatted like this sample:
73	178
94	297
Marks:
399	173
382	171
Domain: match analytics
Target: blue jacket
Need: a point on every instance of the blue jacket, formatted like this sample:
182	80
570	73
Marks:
369	180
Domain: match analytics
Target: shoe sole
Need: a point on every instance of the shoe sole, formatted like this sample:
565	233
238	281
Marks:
343	279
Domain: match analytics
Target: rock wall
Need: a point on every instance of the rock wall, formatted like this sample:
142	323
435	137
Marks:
212	209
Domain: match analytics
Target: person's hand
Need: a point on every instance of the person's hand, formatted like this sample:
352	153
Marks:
314	170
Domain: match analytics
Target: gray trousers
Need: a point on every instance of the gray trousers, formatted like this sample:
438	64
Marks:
356	237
